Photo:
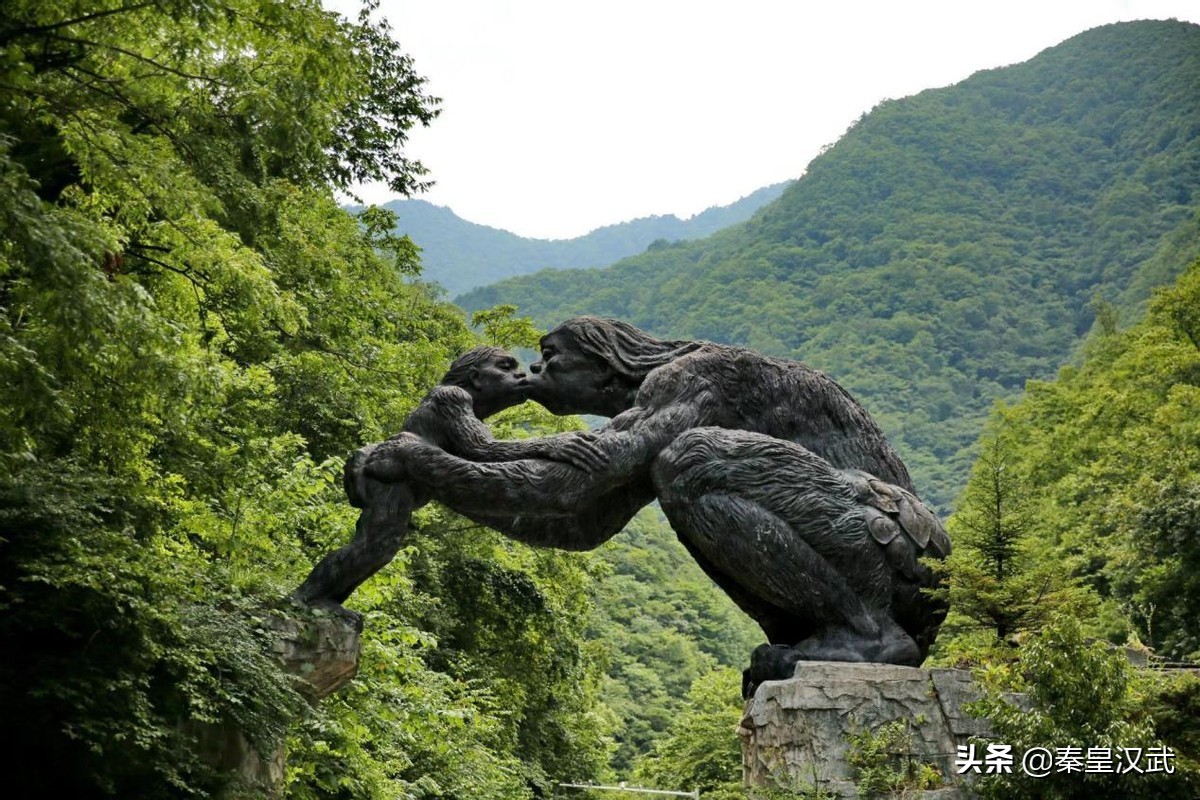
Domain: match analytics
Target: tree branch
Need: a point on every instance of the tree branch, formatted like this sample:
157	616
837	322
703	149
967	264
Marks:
142	58
345	358
29	30
186	272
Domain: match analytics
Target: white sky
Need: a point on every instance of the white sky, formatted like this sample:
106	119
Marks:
559	116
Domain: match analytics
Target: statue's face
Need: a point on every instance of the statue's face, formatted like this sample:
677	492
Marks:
498	383
568	380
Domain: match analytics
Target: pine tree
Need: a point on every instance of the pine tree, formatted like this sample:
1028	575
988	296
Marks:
994	581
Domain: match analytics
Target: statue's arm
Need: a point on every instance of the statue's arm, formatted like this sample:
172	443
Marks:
573	448
500	488
447	410
538	488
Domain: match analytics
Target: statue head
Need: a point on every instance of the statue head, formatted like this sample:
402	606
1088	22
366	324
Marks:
491	376
595	366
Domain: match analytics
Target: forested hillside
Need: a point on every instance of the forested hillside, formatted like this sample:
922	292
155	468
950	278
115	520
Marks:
1077	530
950	246
1105	465
462	255
663	625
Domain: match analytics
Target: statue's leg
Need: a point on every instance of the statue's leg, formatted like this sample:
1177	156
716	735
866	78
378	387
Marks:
386	508
785	535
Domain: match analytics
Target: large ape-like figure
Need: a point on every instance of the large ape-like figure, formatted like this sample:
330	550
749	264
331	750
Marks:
775	479
479	383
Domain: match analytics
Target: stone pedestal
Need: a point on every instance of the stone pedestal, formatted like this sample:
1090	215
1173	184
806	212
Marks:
323	651
320	648
795	733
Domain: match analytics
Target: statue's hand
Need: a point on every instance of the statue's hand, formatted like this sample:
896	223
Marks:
579	450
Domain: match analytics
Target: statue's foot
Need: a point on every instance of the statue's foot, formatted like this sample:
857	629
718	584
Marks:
339	611
776	662
769	662
889	646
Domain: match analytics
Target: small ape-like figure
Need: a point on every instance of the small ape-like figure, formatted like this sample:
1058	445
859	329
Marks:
479	383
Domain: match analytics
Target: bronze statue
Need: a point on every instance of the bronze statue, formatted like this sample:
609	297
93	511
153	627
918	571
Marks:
775	479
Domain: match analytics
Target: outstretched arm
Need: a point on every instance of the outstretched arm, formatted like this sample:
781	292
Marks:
509	488
573	508
447	419
576	448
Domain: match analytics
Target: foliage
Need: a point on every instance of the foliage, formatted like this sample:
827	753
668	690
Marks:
665	625
1104	462
192	335
883	762
995	581
502	329
948	247
701	749
510	620
1108	456
112	642
476	684
1173	701
1084	695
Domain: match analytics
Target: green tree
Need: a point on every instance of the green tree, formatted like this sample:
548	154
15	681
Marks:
1081	694
192	334
663	625
502	328
701	749
1108	454
997	579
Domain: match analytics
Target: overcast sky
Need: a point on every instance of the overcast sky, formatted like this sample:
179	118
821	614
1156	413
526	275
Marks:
559	116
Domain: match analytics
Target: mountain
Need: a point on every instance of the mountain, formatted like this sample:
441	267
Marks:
461	255
950	246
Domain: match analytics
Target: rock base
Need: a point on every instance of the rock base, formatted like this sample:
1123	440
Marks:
796	733
322	649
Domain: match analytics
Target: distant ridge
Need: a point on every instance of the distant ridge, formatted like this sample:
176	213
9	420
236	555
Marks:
950	246
462	255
